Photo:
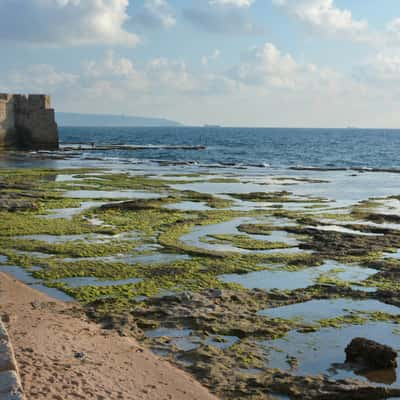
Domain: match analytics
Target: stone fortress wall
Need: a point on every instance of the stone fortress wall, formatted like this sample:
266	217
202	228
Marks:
28	122
7	121
10	382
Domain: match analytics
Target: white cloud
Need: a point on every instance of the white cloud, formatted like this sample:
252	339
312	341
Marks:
267	87
220	19
325	17
72	22
170	74
382	70
154	14
235	3
158	77
393	31
161	11
110	66
214	56
39	78
266	66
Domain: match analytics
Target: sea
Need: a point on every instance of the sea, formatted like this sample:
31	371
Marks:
338	169
256	147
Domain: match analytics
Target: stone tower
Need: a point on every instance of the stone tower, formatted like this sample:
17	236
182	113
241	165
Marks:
27	122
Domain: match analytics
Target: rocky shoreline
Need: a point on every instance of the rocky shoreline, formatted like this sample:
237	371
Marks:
228	286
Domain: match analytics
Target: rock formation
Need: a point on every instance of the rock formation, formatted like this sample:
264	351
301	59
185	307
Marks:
372	354
27	122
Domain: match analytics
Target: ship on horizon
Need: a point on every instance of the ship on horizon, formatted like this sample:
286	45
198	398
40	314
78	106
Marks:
211	126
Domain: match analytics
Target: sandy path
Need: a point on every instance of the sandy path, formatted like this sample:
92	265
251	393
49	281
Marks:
46	335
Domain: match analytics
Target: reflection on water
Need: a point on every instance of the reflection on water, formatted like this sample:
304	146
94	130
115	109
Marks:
115	194
386	376
290	280
89	281
87	237
315	310
189	206
194	238
54	239
24	276
322	352
152	258
69	213
342	229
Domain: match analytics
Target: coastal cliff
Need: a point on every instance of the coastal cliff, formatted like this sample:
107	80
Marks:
27	122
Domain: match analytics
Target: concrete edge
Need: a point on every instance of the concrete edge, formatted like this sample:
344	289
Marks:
10	382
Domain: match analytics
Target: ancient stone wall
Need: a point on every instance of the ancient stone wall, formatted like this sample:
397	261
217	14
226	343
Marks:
7	121
10	383
27	122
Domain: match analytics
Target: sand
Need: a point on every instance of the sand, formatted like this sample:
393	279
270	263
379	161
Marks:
47	334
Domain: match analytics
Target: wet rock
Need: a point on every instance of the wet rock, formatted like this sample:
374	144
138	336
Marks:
382	218
372	354
322	388
135	205
331	244
9	204
125	325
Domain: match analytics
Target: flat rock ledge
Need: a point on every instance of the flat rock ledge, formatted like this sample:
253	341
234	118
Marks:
10	383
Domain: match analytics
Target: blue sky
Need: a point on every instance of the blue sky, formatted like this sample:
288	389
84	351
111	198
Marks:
317	63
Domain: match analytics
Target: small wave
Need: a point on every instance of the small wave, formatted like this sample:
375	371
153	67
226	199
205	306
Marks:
356	169
109	147
372	169
312	168
259	165
174	162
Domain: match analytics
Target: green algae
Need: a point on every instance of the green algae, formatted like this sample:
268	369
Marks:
148	222
271	197
184	281
76	248
276	197
356	318
219	308
54	269
29	223
338	322
248	243
210	200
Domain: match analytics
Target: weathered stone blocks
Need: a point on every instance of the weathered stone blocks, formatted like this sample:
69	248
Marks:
10	384
27	122
7	362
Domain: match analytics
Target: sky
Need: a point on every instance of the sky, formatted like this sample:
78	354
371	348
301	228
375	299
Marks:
289	63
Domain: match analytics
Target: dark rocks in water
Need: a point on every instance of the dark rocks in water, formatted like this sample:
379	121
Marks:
323	388
305	168
16	204
135	205
371	353
339	244
18	196
382	218
109	147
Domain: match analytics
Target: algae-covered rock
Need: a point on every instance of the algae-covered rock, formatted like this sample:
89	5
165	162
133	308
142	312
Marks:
371	353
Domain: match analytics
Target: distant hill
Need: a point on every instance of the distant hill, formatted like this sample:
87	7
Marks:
74	119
